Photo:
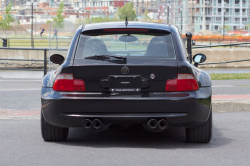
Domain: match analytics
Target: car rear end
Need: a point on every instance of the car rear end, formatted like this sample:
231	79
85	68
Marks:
150	84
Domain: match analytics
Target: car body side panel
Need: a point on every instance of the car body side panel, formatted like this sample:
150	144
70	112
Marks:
201	76
180	50
73	44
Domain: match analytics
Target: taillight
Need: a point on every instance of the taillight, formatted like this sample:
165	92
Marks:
67	82
183	82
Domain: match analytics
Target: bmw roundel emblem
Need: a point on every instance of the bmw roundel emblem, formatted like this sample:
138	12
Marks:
124	70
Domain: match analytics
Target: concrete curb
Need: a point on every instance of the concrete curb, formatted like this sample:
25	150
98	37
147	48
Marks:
230	105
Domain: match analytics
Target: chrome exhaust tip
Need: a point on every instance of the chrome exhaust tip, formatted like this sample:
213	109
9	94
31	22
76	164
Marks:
152	124
97	124
162	124
87	124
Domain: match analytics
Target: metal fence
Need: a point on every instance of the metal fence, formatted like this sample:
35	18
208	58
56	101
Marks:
45	60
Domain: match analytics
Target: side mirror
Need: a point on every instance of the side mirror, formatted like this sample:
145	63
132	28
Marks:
57	59
199	58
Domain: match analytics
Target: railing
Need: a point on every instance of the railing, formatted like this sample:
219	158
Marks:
38	49
222	45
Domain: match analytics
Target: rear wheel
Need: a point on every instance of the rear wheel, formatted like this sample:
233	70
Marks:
53	133
202	133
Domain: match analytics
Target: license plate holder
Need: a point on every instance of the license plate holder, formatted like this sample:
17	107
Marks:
124	83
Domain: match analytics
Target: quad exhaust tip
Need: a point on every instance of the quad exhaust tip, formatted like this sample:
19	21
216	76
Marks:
156	125
152	124
97	124
87	124
162	124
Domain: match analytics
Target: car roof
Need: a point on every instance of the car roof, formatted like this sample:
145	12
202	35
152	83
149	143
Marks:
131	24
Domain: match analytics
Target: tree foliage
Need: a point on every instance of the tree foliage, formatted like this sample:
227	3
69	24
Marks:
227	28
127	10
98	19
7	18
145	16
248	27
59	20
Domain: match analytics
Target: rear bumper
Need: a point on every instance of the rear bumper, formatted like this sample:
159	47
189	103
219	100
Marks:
186	109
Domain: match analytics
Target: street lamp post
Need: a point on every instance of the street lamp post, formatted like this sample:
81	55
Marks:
181	19
223	23
32	40
168	12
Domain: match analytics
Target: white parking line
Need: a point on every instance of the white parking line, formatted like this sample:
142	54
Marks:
222	86
19	89
20	80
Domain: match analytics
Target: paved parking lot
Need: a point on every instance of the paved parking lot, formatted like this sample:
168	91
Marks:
21	144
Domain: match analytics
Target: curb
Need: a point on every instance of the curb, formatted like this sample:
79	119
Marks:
230	105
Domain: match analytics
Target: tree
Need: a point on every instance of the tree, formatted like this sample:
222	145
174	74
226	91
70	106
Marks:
1	18
58	20
248	27
7	18
227	28
98	19
127	10
145	16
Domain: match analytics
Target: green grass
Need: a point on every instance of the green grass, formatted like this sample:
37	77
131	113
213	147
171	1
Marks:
38	43
222	76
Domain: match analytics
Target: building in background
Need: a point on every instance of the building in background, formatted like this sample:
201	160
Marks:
204	16
108	6
4	3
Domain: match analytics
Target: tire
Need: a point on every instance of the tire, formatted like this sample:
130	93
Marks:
53	133
202	133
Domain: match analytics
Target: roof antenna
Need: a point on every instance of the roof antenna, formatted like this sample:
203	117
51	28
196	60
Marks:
126	21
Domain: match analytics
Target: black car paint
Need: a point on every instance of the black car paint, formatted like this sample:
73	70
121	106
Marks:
194	107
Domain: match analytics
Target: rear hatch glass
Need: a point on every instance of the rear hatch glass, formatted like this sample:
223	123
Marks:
146	56
137	46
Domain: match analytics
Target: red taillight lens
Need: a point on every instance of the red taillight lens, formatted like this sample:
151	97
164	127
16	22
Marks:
66	82
184	82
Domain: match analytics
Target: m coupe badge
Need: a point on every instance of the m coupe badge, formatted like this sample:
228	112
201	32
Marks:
152	76
125	70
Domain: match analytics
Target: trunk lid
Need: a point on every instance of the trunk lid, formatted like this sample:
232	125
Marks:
147	75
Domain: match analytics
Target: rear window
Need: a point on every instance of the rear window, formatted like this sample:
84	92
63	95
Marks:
129	45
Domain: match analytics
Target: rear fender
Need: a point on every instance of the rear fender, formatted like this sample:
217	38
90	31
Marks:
201	76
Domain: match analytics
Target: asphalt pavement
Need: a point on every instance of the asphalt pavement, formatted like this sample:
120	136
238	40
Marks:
21	144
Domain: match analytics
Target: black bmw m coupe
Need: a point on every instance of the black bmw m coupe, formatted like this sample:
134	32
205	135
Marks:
126	74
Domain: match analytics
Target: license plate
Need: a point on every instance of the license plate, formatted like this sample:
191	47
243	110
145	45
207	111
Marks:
125	83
